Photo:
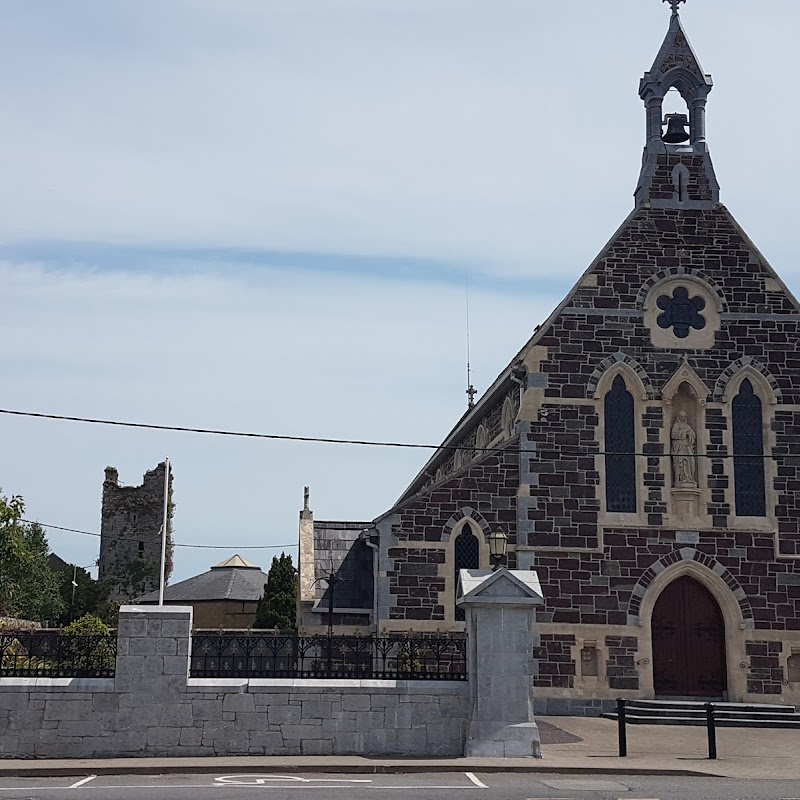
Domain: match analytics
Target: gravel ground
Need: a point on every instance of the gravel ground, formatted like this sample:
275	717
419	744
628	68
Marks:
550	734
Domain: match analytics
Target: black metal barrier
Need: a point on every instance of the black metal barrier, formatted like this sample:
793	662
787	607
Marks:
265	655
54	654
623	733
711	728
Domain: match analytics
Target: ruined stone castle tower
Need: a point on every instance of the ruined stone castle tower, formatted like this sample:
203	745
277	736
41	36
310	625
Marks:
130	533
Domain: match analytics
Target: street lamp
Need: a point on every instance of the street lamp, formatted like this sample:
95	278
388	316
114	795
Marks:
498	545
75	569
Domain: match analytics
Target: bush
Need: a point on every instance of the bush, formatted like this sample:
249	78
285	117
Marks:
85	646
87	625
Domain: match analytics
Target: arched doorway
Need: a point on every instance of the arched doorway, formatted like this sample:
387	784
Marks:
688	642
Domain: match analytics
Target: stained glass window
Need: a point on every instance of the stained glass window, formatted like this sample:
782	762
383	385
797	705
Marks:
620	446
680	312
748	451
467	556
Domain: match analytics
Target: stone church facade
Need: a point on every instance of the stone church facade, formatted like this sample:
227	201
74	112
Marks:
641	453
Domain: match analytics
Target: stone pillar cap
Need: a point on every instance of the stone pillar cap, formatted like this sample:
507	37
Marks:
511	587
154	610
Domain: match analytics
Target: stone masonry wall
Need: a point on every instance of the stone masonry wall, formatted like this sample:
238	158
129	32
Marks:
697	185
151	708
765	673
556	667
419	558
417	584
621	667
601	588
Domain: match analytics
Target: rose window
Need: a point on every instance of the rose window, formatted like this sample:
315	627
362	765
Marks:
680	312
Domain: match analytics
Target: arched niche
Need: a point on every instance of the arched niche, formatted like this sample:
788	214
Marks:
507	418
481	441
685	396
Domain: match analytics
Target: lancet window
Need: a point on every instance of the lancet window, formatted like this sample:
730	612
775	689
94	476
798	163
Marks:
748	452
620	448
467	556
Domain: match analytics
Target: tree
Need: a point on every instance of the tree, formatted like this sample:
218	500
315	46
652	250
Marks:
29	589
89	596
11	550
277	607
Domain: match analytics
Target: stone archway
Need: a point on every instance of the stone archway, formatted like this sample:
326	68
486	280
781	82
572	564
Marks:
726	593
688	633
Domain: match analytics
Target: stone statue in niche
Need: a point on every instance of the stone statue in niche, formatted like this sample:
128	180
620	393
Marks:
684	463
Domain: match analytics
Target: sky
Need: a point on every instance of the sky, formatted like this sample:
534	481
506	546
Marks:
260	216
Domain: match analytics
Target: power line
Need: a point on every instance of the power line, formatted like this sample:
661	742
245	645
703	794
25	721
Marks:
538	448
217	432
176	544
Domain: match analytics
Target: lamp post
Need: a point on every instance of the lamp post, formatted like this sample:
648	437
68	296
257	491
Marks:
333	579
75	569
498	546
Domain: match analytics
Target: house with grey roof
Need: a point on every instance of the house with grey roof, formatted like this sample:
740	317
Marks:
224	597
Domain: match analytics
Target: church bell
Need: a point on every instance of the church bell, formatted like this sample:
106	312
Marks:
676	129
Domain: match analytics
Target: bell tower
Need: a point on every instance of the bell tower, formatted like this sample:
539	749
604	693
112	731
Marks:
676	170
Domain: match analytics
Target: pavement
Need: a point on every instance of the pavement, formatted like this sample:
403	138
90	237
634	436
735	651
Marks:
572	745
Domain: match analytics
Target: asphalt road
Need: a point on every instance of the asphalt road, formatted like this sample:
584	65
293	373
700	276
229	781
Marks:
436	786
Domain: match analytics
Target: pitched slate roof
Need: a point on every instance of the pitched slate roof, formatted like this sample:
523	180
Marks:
232	579
337	549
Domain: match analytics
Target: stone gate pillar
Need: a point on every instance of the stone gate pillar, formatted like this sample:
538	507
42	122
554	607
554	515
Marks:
153	645
500	614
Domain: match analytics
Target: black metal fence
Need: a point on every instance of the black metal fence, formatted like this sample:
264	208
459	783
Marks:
51	654
254	655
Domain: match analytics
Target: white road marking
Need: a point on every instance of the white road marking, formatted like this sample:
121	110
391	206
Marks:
480	784
262	787
261	780
82	782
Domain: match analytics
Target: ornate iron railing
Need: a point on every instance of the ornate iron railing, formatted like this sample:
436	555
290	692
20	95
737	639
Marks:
263	655
52	654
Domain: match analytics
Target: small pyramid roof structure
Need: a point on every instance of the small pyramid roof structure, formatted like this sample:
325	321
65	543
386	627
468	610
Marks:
236	561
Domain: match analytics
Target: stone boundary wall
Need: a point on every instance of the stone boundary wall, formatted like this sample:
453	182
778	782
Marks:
152	708
87	718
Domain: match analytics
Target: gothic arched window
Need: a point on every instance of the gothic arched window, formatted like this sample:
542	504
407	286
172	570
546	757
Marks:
467	556
748	452
620	447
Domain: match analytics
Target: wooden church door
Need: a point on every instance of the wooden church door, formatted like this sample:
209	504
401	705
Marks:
688	642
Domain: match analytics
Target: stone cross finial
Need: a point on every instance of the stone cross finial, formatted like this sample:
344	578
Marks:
674	4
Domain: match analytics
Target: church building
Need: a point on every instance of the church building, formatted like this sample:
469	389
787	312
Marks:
641	452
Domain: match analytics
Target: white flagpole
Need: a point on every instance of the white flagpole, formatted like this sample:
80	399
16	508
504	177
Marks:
164	534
